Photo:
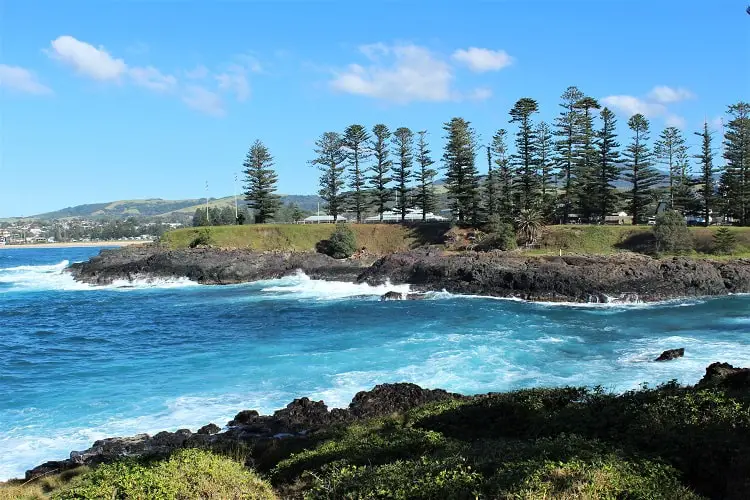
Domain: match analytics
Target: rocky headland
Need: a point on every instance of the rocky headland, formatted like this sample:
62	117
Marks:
624	277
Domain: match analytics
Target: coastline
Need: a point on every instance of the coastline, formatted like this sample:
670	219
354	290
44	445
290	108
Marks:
77	244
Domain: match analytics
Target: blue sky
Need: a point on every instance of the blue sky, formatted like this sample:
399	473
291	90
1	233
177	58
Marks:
105	100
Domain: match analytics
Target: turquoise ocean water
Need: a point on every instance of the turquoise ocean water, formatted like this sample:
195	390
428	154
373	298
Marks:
79	363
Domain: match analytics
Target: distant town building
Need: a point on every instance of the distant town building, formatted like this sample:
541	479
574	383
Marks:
412	215
322	219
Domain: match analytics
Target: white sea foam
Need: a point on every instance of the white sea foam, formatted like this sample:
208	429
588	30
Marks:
302	286
54	277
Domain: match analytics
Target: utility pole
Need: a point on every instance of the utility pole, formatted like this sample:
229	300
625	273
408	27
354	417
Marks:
207	220
236	213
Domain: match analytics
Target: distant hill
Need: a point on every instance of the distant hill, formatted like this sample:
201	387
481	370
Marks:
158	207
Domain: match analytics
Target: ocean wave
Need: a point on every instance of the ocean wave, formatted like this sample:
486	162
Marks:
302	286
54	277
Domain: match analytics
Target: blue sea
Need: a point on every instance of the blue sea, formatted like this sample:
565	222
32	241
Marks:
80	363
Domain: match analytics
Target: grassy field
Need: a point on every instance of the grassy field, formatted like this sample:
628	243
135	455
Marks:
376	238
611	239
387	238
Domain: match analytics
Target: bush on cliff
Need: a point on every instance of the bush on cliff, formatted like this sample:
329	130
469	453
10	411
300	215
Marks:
725	241
186	474
341	245
672	234
500	235
202	238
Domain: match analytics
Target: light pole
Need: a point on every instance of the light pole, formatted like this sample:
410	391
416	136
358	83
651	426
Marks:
236	212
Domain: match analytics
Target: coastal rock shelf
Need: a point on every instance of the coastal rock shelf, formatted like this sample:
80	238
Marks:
599	279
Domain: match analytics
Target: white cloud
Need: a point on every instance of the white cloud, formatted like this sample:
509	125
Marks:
86	59
20	79
234	80
633	105
482	60
203	100
151	78
675	121
414	74
666	95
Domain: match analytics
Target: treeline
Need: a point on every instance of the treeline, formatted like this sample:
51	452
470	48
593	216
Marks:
225	216
108	230
573	166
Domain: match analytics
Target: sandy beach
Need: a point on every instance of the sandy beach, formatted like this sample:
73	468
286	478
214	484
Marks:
76	244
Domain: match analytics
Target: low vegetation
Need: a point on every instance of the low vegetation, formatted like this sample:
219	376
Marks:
375	238
341	245
668	442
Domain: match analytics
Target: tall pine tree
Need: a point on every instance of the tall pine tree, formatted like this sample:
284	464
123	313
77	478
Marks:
608	167
403	144
586	158
567	126
504	175
331	161
544	151
640	172
381	170
670	150
461	171
736	177
260	183
425	198
490	187
523	160
706	162
357	152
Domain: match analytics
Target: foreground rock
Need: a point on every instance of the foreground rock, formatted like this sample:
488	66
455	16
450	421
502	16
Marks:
302	419
726	376
620	277
671	354
209	265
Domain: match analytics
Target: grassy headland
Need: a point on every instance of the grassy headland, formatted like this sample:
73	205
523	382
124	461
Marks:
388	238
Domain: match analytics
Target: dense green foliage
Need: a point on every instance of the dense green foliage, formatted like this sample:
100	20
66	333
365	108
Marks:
381	169
186	474
260	179
523	161
425	198
330	160
500	235
640	173
672	152
735	180
403	142
461	171
356	141
341	245
667	442
725	241
672	234
707	172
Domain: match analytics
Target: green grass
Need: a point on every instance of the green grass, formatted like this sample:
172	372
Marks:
605	240
376	238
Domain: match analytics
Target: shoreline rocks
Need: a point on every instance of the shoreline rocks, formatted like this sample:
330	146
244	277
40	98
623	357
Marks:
300	419
619	278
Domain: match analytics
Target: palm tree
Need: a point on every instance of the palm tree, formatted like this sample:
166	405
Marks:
529	223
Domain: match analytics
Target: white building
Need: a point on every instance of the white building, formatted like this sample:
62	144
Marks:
412	215
322	219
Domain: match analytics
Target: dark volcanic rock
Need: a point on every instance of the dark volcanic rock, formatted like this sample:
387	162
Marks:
726	375
389	398
209	429
671	354
624	276
208	265
392	296
300	419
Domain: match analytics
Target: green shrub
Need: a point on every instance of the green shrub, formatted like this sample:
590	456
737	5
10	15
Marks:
500	235
341	245
189	473
725	241
672	234
202	238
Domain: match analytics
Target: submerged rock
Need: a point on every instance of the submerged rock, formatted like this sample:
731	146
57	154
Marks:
671	354
392	296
